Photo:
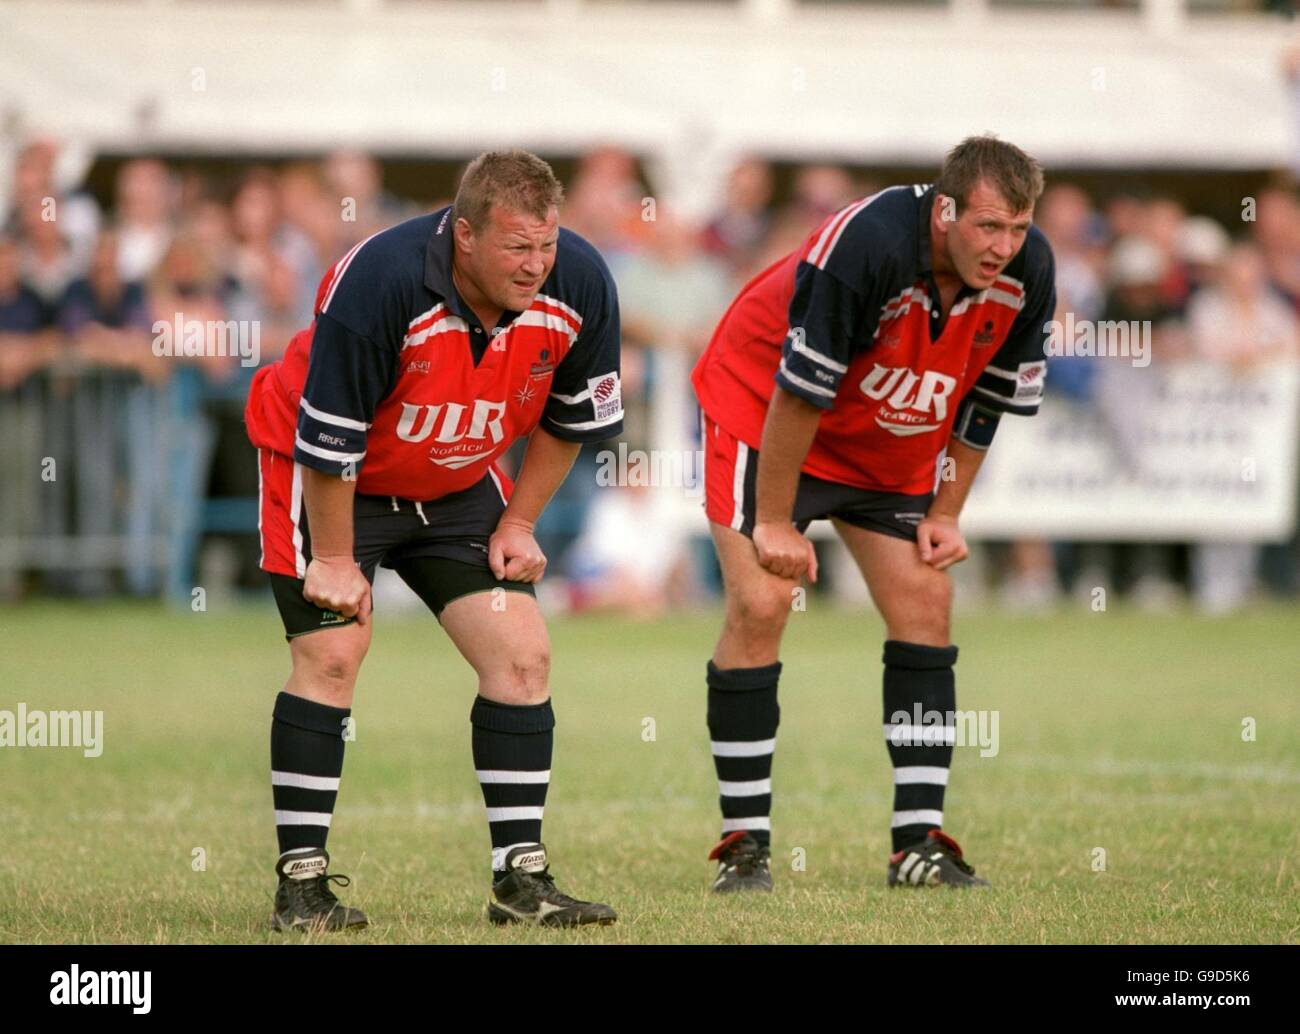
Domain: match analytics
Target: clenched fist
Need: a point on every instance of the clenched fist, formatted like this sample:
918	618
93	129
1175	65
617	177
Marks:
784	550
514	555
338	584
940	542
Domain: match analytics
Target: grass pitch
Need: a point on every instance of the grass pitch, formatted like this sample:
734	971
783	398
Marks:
1117	731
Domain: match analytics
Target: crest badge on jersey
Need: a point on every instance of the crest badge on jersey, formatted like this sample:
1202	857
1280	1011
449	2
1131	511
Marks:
543	367
985	335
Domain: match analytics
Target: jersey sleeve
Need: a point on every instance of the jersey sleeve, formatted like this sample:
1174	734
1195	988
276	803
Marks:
347	376
586	399
825	314
1013	380
352	365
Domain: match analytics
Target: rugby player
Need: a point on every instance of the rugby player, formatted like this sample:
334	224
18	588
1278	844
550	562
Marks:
836	386
436	344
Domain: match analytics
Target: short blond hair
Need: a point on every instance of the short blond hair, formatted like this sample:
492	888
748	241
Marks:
515	179
1005	167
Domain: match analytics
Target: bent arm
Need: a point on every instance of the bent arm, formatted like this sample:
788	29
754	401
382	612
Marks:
546	464
328	500
788	434
952	493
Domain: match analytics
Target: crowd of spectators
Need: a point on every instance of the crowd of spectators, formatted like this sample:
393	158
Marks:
1230	300
82	284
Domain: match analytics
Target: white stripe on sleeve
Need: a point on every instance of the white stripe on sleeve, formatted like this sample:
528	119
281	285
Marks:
327	454
330	418
817	357
816	389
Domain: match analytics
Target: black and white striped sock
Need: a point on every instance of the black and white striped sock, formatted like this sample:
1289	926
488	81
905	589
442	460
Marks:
512	759
743	716
306	763
918	679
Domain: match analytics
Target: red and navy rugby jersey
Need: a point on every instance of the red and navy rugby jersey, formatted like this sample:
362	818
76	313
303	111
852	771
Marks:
385	385
850	322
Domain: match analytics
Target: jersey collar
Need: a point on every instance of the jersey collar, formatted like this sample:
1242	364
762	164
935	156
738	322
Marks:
924	263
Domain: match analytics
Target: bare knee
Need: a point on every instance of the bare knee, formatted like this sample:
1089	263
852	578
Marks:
325	665
755	619
760	612
521	678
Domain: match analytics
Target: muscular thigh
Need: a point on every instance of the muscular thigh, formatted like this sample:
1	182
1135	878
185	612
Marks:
914	599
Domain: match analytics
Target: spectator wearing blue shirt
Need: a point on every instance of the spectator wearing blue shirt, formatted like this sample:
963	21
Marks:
108	325
24	320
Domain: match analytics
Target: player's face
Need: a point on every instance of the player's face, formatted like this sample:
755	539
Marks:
510	260
980	243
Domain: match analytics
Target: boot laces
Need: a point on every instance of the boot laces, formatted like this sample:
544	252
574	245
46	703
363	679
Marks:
316	893
542	884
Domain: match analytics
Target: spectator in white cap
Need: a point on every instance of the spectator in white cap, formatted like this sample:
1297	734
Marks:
1202	246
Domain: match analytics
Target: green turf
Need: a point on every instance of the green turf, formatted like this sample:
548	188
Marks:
1117	731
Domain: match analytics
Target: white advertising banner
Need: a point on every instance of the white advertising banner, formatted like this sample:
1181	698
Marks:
1176	452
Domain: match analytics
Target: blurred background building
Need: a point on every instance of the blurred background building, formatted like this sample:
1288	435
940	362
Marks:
166	160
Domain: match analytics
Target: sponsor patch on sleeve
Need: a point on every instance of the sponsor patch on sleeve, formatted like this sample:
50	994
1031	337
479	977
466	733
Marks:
606	396
1030	380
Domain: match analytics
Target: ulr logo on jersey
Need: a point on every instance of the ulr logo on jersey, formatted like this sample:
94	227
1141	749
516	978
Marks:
483	422
911	398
